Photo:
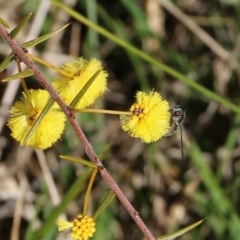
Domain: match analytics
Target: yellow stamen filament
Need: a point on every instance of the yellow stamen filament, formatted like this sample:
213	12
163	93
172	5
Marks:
102	111
25	89
47	64
85	208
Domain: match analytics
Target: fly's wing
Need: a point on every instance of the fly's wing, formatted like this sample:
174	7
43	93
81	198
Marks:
172	130
177	117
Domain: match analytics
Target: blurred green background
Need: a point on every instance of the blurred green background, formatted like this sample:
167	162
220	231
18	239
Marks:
167	191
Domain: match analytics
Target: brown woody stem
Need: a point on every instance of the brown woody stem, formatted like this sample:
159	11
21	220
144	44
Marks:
19	52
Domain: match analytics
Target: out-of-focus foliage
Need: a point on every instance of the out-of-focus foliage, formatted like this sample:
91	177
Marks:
168	192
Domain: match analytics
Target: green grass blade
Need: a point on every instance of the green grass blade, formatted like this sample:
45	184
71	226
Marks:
139	18
190	82
118	28
30	228
230	143
209	179
19	27
93	37
220	201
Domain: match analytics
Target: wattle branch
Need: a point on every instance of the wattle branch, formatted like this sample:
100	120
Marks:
20	53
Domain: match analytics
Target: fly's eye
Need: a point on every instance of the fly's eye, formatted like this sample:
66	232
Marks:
179	112
179	109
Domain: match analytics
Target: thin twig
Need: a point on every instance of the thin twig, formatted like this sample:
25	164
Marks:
88	148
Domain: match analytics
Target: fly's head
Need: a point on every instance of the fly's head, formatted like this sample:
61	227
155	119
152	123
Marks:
178	114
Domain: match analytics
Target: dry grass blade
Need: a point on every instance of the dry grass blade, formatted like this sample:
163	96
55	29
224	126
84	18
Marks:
48	177
200	33
19	208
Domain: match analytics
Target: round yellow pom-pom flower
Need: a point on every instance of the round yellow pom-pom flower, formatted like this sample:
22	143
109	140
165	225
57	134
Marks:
150	117
82	227
81	71
23	115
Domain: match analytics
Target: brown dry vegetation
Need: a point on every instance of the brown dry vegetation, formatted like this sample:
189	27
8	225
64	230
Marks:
168	192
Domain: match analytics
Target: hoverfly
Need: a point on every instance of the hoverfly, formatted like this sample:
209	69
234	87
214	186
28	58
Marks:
177	117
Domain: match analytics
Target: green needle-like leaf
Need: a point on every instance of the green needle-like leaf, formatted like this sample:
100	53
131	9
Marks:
39	119
36	41
26	73
18	28
78	160
180	232
5	24
84	89
31	43
6	61
105	203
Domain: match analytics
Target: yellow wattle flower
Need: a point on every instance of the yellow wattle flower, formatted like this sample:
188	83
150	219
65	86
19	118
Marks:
150	117
82	227
81	71
23	115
